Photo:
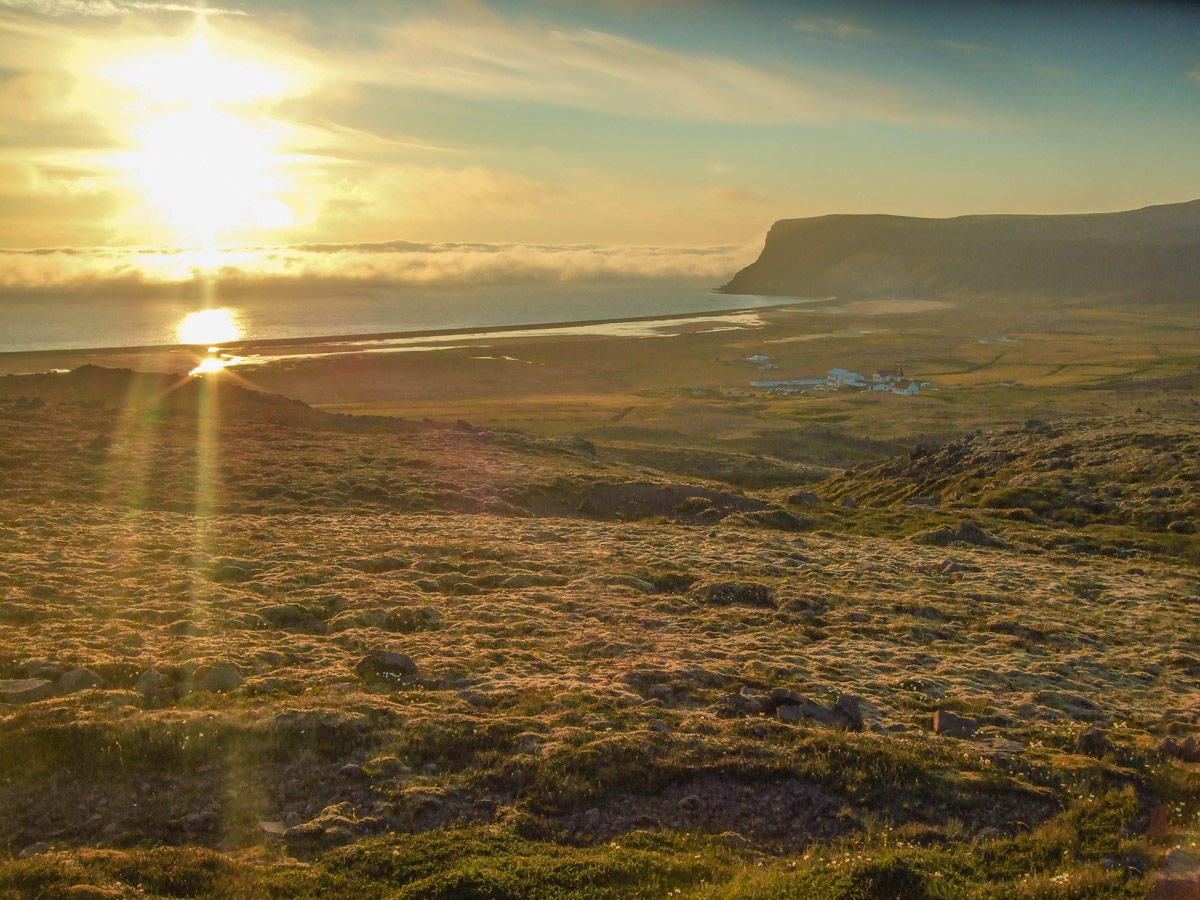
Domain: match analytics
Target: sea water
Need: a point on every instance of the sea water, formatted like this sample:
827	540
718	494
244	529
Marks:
93	322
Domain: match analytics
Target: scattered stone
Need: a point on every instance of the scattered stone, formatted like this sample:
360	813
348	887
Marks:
1175	887
330	829
228	573
998	748
731	593
219	676
666	694
1092	742
848	708
923	501
690	803
387	666
34	850
289	615
790	713
949	724
25	690
1184	750
799	709
1181	526
781	696
185	628
353	772
660	726
745	702
42	669
377	565
805	498
849	503
970	533
78	680
1179	862
150	681
967	533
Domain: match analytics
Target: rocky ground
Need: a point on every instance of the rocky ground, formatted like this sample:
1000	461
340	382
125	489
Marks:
239	634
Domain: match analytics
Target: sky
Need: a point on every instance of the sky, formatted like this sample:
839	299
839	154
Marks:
435	142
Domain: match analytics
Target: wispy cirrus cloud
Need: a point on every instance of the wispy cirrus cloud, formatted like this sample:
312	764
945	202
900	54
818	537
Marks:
491	58
319	268
110	8
969	48
842	29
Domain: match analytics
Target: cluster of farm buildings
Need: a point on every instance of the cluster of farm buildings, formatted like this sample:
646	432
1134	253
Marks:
843	379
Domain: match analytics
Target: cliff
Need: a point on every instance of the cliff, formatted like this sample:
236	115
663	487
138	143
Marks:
1144	254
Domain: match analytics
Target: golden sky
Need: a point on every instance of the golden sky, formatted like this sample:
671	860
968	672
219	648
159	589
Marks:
536	125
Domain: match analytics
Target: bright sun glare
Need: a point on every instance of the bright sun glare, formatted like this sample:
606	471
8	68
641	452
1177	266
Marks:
205	169
209	326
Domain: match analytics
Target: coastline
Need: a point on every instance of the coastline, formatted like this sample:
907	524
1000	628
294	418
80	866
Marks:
182	357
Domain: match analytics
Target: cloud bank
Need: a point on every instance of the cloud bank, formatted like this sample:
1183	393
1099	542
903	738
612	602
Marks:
306	269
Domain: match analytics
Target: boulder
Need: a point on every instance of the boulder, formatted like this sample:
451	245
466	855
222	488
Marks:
1185	750
1175	887
848	710
745	702
790	713
782	696
805	498
970	533
967	533
377	565
78	680
386	666
334	827
289	615
796	708
950	724
218	676
1092	742
25	690
34	850
732	593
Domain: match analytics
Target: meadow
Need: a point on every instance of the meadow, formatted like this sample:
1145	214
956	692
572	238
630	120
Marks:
609	622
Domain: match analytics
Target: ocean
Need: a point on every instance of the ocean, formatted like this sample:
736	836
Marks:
71	323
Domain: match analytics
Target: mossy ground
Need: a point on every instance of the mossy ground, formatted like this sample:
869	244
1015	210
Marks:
575	727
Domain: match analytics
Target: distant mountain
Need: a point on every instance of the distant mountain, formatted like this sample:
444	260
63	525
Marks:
1144	254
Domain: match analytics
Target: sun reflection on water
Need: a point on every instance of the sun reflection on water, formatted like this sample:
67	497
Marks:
207	327
213	364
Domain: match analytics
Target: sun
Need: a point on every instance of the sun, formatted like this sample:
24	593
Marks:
204	167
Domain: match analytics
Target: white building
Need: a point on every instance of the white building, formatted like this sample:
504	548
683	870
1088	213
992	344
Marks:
844	378
908	388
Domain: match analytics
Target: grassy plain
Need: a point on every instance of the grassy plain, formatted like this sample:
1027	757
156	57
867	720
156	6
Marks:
660	641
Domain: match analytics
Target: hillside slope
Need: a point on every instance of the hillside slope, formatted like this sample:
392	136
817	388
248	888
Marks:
446	662
1145	254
